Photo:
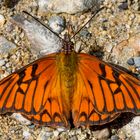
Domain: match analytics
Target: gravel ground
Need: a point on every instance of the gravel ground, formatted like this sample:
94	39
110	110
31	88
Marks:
112	35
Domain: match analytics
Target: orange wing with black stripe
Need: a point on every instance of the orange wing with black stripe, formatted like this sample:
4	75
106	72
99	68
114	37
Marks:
102	92
35	91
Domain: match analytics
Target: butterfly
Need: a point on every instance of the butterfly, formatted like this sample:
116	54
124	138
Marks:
67	88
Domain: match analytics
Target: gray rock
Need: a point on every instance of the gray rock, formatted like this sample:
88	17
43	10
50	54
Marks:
67	6
134	61
131	61
43	41
137	61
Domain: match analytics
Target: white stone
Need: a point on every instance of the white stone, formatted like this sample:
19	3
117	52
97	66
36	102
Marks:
67	6
21	119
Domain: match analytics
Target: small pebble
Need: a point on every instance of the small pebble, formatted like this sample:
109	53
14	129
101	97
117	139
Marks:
121	134
85	33
102	134
131	61
114	137
44	134
137	61
26	135
6	46
61	129
2	62
55	133
73	138
134	61
57	24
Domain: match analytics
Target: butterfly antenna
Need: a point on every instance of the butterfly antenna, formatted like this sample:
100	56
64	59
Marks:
87	22
43	24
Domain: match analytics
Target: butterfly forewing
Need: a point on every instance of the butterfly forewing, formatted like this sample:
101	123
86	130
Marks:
23	90
113	90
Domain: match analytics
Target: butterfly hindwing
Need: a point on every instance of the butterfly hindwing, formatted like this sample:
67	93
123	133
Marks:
83	110
51	115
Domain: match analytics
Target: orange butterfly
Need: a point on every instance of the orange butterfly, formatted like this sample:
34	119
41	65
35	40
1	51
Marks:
68	86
